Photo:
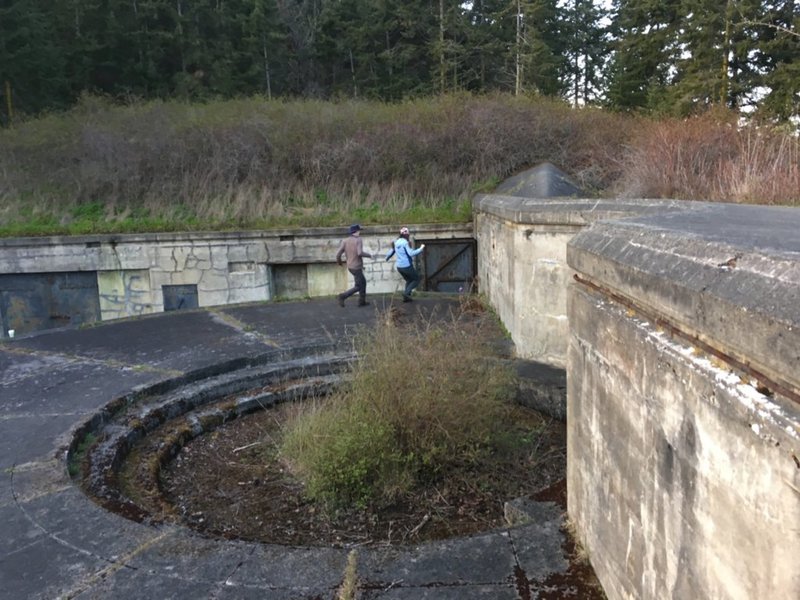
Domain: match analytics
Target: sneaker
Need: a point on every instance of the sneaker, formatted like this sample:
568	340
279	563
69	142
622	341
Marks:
407	298
363	303
341	301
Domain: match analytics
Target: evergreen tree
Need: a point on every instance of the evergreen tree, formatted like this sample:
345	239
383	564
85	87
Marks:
31	61
408	33
264	42
524	46
490	32
713	56
542	48
375	48
701	70
301	19
586	49
644	34
776	59
449	46
673	56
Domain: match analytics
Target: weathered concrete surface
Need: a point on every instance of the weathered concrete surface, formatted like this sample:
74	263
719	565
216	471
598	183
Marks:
522	261
729	274
683	477
57	543
542	388
223	267
542	181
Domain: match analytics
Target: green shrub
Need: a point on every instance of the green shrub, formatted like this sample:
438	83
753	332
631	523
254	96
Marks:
420	399
345	457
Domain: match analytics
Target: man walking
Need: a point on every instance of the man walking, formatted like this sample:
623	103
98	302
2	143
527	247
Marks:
351	247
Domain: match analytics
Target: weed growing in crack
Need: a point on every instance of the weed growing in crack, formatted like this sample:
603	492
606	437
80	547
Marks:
76	459
349	587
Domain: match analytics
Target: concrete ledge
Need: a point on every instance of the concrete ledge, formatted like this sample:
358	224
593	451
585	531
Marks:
228	236
728	274
522	261
542	388
576	212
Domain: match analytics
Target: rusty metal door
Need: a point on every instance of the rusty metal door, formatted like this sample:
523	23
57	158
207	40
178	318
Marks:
448	265
34	301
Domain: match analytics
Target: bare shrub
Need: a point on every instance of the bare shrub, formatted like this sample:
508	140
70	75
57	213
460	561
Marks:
596	158
708	158
765	169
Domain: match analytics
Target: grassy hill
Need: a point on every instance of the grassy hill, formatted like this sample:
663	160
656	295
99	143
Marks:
252	163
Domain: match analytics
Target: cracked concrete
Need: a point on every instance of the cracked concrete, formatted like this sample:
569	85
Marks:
57	543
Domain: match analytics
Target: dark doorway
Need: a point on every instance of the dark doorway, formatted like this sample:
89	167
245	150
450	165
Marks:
448	265
179	297
289	281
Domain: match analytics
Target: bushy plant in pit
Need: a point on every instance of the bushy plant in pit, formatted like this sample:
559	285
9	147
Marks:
421	398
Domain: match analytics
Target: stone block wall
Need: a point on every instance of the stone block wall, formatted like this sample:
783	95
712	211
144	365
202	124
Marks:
220	268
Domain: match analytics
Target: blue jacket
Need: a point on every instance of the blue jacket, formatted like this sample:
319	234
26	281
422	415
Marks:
403	253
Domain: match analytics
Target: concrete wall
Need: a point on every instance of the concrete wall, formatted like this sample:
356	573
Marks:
683	408
681	341
522	262
226	268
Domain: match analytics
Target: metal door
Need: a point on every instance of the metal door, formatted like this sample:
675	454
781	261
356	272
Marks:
448	265
35	301
179	297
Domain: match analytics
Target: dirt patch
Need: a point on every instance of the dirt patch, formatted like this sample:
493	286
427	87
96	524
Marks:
231	482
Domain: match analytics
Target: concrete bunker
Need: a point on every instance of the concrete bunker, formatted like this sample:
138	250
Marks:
679	338
678	324
54	282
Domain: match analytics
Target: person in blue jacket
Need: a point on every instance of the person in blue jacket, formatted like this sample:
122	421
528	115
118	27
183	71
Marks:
404	261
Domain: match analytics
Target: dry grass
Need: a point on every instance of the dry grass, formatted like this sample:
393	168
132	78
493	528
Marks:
252	161
256	163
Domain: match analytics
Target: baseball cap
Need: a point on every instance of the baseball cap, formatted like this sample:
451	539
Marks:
355	227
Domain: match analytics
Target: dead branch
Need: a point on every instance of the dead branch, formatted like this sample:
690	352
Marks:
235	450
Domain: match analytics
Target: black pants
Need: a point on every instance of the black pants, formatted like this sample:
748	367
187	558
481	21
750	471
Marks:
360	285
412	279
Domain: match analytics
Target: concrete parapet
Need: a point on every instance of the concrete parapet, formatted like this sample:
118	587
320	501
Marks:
522	261
683	409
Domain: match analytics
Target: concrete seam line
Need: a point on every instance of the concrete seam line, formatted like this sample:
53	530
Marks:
116	565
768	382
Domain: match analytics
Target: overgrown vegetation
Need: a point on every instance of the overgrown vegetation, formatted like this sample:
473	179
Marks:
249	163
710	158
422	400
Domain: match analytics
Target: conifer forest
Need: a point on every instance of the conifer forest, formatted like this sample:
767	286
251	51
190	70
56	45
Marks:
667	57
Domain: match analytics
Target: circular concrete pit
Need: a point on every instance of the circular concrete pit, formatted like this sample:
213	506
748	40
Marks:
128	552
